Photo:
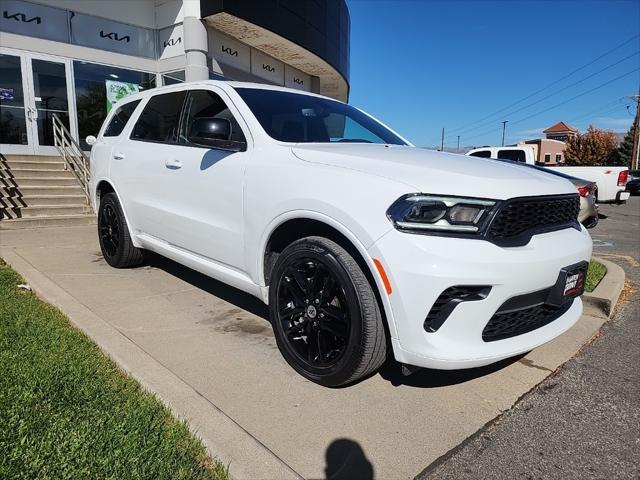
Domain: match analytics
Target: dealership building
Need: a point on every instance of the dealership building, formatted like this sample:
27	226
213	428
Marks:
74	58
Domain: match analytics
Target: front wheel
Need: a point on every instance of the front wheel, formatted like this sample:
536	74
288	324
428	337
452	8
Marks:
324	313
115	242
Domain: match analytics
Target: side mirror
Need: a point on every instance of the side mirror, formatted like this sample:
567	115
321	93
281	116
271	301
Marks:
91	140
210	131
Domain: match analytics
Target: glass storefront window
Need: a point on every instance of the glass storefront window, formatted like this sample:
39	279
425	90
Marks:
171	78
93	100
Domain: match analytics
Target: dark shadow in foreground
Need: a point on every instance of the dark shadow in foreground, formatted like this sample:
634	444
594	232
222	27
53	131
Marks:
227	293
345	459
428	378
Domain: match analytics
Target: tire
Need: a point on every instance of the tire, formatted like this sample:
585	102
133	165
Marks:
115	242
329	331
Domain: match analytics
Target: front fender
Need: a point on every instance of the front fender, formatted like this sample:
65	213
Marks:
355	241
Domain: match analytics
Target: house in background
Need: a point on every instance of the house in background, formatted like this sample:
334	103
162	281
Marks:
560	131
550	150
547	151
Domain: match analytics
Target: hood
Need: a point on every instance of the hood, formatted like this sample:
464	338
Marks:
428	171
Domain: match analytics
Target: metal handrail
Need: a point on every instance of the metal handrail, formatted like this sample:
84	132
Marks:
74	158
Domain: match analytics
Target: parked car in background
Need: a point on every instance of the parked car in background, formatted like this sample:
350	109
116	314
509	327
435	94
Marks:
357	240
610	181
633	185
588	206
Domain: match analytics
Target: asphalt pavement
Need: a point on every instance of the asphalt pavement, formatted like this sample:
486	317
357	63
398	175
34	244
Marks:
582	422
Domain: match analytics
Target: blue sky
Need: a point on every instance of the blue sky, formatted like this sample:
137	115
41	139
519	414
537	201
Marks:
423	65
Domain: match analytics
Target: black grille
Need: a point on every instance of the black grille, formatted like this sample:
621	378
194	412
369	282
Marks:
511	324
539	214
447	302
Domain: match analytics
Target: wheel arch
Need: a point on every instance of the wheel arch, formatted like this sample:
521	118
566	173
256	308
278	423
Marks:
294	228
105	186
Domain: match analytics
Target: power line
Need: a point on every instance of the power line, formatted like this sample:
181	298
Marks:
457	129
561	103
602	110
554	93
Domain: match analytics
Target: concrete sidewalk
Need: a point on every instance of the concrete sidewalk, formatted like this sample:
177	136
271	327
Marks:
207	350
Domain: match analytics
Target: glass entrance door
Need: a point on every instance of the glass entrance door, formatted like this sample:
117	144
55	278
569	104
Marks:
15	135
37	87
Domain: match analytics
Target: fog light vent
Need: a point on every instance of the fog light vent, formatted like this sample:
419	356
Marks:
449	300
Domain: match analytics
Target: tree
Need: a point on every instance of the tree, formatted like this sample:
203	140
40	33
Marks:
594	147
625	150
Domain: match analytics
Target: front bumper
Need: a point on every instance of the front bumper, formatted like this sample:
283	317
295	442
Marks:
421	267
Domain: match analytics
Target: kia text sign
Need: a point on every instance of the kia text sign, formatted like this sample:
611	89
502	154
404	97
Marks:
229	51
33	20
106	34
294	78
267	67
171	42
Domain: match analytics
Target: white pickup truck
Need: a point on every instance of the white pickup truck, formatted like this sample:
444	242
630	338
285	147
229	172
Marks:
611	181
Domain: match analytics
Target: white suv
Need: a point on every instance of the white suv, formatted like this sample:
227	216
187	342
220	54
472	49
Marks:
358	241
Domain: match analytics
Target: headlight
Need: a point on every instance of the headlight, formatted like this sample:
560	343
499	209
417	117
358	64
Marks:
420	212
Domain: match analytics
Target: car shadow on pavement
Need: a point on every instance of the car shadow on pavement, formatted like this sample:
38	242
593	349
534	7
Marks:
223	291
428	378
345	460
390	371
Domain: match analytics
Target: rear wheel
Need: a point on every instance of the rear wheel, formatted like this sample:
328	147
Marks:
325	316
115	242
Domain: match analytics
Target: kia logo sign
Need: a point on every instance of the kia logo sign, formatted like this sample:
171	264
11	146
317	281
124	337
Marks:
172	42
297	80
268	68
228	51
21	17
114	36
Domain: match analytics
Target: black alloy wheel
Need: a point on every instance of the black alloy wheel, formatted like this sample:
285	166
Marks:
313	312
109	226
324	313
115	242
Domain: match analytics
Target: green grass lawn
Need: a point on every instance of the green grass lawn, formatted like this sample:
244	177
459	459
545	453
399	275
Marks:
67	411
594	274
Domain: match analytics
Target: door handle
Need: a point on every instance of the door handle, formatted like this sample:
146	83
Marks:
118	156
173	164
32	114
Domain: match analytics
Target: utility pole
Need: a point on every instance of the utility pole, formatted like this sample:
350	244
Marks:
442	141
458	149
635	151
504	126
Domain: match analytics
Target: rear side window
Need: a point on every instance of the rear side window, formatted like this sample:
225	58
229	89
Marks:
120	119
516	155
159	120
481	154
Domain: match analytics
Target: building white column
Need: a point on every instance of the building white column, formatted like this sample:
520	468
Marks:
195	43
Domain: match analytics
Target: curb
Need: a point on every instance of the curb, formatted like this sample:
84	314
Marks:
606	294
223	437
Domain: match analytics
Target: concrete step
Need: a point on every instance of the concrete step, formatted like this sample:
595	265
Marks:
54	210
51	200
52	221
34	173
29	191
34	164
41	182
34	158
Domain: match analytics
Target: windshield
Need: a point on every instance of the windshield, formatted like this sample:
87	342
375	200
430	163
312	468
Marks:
298	118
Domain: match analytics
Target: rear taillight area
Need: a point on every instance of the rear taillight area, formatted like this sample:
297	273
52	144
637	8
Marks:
623	176
586	190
